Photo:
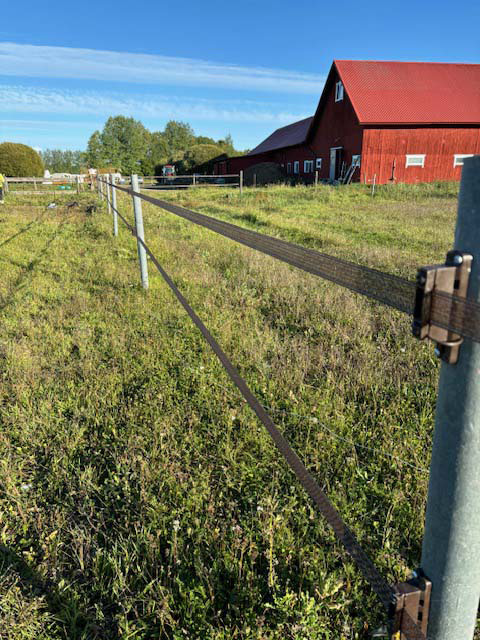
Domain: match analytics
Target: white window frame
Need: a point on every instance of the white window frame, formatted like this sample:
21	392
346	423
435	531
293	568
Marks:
308	166
318	163
356	159
415	160
458	158
289	167
339	91
296	167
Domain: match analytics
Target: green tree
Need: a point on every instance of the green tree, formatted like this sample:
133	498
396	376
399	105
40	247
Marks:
198	154
127	145
156	153
227	145
124	143
204	140
178	137
94	154
58	161
19	160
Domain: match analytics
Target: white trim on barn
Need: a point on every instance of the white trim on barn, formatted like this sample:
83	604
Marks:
415	160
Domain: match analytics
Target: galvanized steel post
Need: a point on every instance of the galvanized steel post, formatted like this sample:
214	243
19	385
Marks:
241	182
107	193
114	205
142	255
451	546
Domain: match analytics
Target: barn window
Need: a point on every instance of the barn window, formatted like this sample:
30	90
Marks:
338	91
417	160
296	167
307	166
356	161
289	167
458	158
318	163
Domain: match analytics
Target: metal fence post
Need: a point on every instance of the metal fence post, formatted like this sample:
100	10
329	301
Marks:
142	255
78	184
107	193
451	546
316	178
114	205
241	182
193	180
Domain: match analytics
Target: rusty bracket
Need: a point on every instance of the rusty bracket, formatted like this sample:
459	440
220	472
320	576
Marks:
450	278
409	615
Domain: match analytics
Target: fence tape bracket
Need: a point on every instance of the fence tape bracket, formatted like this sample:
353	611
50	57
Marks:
451	279
411	607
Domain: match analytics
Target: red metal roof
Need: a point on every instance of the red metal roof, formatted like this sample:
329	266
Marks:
288	136
412	92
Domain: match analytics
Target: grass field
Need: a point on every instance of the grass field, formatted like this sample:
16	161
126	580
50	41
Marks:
139	497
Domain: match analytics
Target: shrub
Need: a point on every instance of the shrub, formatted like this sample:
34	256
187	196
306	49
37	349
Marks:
265	172
19	160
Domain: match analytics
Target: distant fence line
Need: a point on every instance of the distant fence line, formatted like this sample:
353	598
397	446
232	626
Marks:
161	183
29	185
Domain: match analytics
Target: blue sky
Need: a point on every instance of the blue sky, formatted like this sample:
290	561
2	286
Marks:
241	68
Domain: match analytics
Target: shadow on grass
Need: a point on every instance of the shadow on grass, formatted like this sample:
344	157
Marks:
74	624
23	230
29	268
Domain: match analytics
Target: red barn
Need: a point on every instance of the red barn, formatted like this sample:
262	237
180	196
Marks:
395	121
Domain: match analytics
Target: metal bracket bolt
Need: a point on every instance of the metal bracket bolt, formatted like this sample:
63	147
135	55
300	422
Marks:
410	611
450	278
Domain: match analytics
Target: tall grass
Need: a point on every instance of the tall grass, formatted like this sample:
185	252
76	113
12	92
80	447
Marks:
139	496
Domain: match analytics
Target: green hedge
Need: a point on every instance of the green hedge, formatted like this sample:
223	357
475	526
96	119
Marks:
19	160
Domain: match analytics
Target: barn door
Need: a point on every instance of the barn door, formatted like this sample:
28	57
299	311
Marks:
335	158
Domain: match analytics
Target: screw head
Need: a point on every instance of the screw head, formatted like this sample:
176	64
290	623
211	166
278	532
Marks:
457	260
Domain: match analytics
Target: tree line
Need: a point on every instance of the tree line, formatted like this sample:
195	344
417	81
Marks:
126	145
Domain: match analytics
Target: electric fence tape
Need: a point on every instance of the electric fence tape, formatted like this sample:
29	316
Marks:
386	593
459	315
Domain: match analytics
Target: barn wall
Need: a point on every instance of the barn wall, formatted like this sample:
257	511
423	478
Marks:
240	163
337	126
383	147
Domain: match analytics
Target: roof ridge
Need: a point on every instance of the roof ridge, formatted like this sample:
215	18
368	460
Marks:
463	64
285	126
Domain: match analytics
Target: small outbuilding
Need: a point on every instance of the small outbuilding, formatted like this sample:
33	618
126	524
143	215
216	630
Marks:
388	121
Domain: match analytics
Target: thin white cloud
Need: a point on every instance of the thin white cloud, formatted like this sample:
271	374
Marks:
64	62
19	99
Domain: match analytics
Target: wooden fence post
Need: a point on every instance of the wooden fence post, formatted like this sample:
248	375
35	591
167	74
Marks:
241	182
316	178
